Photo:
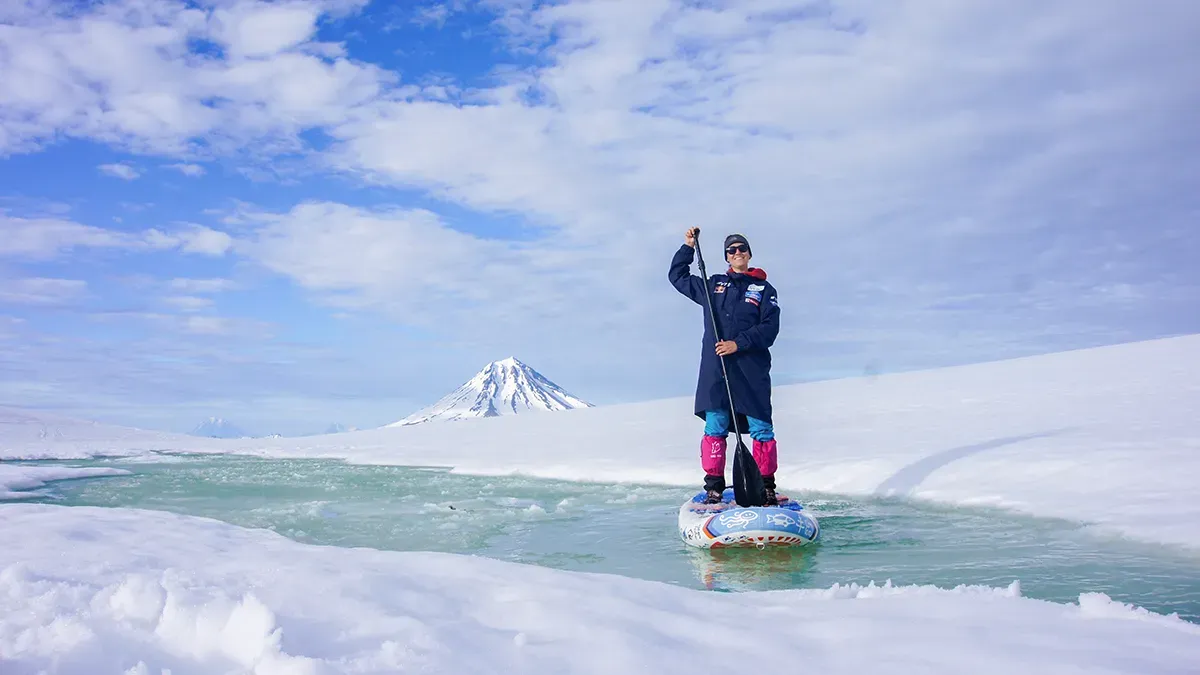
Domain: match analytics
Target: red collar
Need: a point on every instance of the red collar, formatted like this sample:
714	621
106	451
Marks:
754	272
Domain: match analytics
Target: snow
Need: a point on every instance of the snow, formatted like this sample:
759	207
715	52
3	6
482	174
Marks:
17	480
151	592
503	387
70	438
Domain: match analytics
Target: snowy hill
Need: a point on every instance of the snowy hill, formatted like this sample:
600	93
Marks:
502	388
216	427
20	427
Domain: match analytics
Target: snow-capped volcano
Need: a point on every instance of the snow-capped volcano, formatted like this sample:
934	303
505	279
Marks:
502	388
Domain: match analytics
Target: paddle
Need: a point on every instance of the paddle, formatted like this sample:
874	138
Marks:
748	487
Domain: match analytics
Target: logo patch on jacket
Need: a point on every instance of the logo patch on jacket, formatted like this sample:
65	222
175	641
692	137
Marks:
721	286
757	287
753	297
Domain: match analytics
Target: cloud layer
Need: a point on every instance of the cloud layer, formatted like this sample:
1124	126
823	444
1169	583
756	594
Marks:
926	182
169	78
46	238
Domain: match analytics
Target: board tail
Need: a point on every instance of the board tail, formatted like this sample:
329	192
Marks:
748	486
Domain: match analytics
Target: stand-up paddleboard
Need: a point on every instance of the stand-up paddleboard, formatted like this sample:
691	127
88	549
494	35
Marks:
729	525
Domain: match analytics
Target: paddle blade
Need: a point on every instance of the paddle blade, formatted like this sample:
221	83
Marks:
748	487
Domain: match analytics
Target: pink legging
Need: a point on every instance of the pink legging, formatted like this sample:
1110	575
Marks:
712	455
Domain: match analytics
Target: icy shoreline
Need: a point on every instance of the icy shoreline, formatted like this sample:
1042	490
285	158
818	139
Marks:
144	591
18	482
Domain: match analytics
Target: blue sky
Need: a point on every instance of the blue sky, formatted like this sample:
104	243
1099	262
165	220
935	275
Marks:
297	213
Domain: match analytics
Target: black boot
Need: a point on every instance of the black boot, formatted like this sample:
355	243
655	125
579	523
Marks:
715	486
769	483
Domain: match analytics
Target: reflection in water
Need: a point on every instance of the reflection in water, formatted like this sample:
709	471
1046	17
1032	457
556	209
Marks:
749	569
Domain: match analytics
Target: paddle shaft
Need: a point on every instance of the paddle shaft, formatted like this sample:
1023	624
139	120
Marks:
716	332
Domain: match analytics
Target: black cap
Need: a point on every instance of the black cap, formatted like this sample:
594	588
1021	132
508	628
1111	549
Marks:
738	239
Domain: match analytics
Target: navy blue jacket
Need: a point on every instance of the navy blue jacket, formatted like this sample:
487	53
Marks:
747	312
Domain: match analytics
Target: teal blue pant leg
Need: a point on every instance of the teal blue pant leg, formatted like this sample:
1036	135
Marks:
716	423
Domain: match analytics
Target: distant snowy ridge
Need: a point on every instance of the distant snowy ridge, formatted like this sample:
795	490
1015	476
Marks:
502	388
23	428
216	427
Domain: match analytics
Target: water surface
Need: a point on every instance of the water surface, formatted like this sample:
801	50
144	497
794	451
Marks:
630	529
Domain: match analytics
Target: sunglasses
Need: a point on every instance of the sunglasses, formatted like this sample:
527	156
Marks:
737	248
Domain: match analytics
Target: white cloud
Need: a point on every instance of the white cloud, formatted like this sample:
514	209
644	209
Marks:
193	239
193	170
209	325
201	285
188	303
41	291
261	29
126	73
122	171
47	238
205	241
400	260
413	267
193	324
43	238
432	15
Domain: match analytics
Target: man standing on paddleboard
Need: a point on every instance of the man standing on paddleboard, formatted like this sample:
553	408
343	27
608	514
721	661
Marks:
747	316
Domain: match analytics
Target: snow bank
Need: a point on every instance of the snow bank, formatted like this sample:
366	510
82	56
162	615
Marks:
1105	436
42	435
90	590
16	480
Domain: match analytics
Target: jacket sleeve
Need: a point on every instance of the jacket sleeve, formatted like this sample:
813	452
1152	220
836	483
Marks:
682	279
762	334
